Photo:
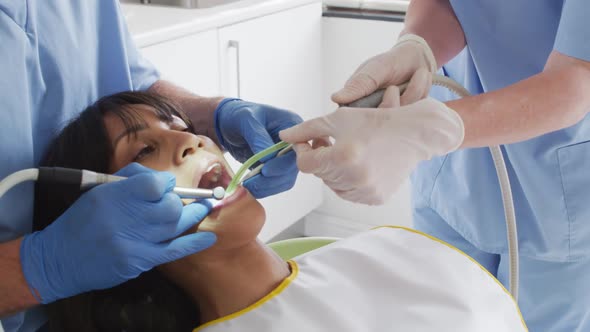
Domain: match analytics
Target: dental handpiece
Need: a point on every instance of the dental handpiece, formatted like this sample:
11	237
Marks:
373	100
88	179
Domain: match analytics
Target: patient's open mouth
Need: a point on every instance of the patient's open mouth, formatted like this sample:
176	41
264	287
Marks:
215	176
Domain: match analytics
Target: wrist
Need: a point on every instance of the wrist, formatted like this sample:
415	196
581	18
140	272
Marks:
217	118
458	127
427	51
30	261
16	294
199	109
440	129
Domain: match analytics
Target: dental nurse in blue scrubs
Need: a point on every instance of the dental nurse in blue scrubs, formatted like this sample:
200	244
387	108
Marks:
528	64
56	58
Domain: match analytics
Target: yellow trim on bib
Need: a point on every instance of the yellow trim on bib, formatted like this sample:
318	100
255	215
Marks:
464	254
286	282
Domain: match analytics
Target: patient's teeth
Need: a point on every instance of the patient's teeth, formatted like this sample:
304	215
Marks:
215	167
214	172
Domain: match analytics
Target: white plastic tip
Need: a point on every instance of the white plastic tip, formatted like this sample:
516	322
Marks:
218	193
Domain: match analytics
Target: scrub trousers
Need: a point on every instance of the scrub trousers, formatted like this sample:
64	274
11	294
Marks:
553	296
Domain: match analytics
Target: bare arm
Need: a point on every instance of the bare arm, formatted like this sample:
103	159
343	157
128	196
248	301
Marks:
551	100
199	109
15	295
435	21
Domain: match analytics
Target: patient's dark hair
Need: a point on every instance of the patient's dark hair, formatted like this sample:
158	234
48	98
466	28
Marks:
149	302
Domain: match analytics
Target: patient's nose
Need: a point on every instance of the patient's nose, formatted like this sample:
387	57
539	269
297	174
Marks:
187	144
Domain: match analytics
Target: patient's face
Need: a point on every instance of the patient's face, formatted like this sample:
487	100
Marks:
196	161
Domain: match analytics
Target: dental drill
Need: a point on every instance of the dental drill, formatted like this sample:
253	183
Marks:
88	179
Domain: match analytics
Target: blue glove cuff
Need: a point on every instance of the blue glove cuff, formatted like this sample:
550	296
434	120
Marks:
217	115
29	261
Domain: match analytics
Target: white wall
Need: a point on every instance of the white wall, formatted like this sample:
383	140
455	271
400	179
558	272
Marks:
346	44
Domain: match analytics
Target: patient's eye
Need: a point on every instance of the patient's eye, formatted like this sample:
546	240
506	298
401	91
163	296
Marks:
146	151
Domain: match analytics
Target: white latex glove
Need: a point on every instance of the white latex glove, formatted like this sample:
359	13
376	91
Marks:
410	59
374	150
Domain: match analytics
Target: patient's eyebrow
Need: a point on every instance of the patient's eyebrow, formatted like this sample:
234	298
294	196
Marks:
128	132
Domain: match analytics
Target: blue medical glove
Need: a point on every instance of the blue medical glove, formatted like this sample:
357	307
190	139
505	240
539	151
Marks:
245	128
111	234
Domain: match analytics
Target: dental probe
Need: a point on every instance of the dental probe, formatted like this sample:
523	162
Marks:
88	179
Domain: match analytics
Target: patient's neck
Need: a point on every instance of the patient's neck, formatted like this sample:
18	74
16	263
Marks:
224	282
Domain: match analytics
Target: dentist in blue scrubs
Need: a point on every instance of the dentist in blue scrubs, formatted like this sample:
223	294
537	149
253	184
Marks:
527	62
56	58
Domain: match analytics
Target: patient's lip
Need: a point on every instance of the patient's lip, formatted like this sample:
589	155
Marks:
237	195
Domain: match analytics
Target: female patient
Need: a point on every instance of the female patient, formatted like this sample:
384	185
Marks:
387	279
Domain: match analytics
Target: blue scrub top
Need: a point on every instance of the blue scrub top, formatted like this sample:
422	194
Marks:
508	41
56	58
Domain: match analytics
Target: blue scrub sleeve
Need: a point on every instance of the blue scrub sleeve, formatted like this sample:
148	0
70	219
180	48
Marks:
143	72
13	95
573	33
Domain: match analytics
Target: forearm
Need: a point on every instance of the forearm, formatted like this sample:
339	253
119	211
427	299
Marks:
435	21
15	295
199	109
554	99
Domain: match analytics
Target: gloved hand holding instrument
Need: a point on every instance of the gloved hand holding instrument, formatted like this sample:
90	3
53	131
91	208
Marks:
245	129
111	234
375	151
410	62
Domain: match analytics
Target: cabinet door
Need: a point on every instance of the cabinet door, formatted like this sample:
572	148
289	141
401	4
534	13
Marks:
191	62
276	60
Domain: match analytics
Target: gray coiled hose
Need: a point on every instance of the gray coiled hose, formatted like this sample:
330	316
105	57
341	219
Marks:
375	99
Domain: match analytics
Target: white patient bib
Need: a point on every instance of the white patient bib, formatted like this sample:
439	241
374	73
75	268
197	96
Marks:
386	279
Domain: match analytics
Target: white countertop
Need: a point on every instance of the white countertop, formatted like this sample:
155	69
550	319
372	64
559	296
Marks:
151	24
387	5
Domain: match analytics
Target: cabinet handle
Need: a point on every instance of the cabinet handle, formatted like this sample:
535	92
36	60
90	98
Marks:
236	44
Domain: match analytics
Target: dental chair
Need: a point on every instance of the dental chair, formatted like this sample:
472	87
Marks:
291	248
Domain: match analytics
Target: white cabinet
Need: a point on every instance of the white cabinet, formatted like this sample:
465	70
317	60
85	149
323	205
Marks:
273	59
279	59
190	62
276	60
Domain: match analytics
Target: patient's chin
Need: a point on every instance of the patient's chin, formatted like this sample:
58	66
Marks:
207	225
237	223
